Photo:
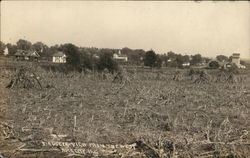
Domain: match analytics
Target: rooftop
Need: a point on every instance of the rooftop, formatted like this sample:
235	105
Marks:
58	54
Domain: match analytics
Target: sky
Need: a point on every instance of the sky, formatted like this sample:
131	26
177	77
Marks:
186	27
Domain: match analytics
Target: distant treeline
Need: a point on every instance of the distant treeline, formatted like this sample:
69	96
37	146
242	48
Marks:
81	58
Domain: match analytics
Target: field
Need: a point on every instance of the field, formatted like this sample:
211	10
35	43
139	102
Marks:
165	113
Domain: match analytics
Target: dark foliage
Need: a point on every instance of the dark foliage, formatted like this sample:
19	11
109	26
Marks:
152	60
222	58
196	59
73	55
214	65
23	44
106	62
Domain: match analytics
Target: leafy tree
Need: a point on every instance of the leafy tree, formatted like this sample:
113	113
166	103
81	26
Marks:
106	62
73	55
2	47
126	50
158	62
40	47
196	59
214	65
86	60
222	58
12	48
150	59
176	60
135	56
171	55
24	45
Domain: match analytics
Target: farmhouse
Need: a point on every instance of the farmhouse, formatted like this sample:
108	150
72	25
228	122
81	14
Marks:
59	57
27	55
236	60
6	51
120	57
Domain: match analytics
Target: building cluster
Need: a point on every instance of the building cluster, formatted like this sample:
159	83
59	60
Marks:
60	57
120	57
235	60
31	55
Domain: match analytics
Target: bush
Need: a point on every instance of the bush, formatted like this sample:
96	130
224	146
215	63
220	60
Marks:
106	62
152	60
214	65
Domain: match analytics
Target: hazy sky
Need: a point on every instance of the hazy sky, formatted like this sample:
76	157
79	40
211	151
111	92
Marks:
208	28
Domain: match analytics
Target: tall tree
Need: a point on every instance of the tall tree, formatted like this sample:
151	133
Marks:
24	44
214	65
12	48
222	58
86	59
150	59
73	55
196	59
106	62
2	47
40	47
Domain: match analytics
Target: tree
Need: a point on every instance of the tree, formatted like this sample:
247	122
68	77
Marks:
40	47
158	62
86	60
2	47
73	55
24	45
150	59
222	58
106	62
214	65
176	60
196	59
135	56
12	48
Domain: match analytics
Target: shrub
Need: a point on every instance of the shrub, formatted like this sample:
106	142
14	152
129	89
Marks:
214	65
106	62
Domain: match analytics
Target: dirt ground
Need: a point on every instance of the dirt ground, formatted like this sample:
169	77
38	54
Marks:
162	114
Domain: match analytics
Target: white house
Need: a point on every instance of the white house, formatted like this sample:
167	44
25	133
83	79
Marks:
118	56
59	57
6	51
236	60
186	64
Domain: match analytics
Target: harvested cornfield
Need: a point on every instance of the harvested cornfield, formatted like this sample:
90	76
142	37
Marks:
124	115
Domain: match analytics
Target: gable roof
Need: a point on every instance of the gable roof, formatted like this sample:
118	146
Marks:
59	54
32	54
28	53
19	53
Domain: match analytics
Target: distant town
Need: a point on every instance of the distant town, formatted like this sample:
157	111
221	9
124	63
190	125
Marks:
85	57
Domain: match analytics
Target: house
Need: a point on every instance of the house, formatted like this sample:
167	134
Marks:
186	64
59	57
120	57
236	60
27	55
6	51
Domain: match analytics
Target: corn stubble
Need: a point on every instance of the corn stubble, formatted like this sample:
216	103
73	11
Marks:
171	114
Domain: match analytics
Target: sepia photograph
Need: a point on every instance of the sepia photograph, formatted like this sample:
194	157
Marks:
124	79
